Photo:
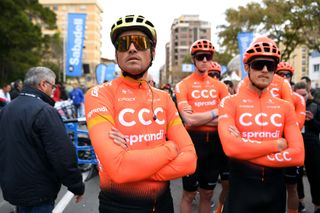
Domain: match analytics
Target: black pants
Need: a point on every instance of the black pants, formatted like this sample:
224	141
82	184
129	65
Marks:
250	193
112	204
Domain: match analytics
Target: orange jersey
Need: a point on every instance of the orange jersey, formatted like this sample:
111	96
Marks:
300	108
261	120
146	116
202	93
279	87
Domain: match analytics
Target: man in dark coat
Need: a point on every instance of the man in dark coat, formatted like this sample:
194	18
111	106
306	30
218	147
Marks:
36	154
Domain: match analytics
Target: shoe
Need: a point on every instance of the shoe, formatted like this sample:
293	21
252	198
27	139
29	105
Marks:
213	204
302	208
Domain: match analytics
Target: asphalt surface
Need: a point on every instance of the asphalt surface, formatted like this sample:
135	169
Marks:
90	201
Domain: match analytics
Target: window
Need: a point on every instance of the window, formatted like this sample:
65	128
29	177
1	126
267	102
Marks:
55	7
316	67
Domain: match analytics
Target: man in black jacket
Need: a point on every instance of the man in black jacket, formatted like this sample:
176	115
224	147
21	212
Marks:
36	155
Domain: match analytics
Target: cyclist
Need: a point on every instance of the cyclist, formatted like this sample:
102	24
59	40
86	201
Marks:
285	70
135	129
214	70
198	97
260	135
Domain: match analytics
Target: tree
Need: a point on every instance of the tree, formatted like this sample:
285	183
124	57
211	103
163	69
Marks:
21	40
289	22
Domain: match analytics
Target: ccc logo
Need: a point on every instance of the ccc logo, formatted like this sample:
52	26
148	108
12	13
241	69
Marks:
203	93
139	116
275	92
261	119
279	157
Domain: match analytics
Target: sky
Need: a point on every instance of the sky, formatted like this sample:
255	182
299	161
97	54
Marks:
162	14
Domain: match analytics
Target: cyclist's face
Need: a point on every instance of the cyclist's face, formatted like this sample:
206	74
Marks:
202	61
133	60
261	71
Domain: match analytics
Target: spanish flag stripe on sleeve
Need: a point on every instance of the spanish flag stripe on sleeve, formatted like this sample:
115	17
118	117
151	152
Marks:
99	119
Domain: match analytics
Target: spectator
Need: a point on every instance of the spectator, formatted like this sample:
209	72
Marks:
5	93
36	154
17	87
77	98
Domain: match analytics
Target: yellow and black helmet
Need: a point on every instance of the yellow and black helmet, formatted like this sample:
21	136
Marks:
133	22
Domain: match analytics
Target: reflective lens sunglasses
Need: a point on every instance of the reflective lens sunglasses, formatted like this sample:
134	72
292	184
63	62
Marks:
285	74
200	57
140	42
214	75
259	65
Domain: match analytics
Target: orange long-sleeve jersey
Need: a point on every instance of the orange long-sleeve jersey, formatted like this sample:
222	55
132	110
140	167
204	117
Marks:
279	87
261	120
202	93
146	116
300	108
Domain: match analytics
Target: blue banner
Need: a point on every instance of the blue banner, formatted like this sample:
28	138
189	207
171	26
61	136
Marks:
188	67
244	41
101	73
105	72
224	69
110	73
74	46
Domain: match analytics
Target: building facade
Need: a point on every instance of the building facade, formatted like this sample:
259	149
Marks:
314	69
92	41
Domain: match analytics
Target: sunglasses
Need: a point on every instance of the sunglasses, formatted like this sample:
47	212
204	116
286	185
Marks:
52	85
285	74
140	42
214	75
200	57
260	64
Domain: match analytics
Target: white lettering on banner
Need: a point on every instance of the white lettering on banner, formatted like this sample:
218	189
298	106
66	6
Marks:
158	136
275	92
208	103
78	39
281	156
140	116
203	93
96	110
258	119
274	134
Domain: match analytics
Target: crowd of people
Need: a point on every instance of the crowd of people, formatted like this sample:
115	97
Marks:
254	137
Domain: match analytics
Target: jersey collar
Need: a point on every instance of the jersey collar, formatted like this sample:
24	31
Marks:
199	77
139	84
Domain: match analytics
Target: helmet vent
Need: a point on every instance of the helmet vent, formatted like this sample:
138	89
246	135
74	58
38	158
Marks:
149	23
140	20
129	19
119	22
267	49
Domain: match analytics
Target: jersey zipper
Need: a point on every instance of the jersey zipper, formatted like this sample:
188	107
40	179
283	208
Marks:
262	172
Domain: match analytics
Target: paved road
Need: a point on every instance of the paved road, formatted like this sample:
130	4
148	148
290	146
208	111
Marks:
90	200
